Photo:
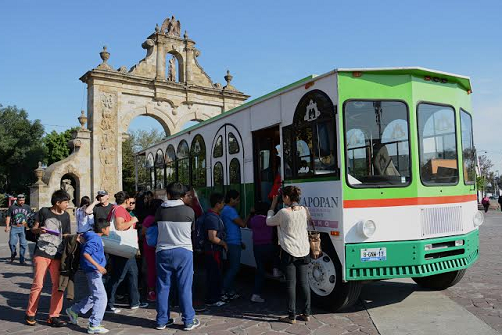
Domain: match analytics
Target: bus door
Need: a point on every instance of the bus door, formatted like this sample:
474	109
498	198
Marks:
266	163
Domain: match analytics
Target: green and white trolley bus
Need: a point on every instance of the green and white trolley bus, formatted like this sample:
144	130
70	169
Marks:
384	158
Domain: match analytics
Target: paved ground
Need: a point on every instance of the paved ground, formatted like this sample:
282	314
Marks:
480	293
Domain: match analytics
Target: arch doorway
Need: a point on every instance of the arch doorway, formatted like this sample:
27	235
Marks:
143	132
70	183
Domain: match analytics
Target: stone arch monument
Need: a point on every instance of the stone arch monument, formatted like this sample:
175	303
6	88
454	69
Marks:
154	87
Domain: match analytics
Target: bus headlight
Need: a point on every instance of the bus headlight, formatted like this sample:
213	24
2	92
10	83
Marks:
478	219
366	228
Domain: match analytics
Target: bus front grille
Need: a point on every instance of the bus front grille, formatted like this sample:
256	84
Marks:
432	267
442	220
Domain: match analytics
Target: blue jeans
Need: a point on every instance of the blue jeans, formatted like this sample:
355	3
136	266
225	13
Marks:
263	254
122	267
96	299
17	234
234	263
177	262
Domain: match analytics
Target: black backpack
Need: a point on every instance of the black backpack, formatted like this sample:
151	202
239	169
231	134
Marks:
199	234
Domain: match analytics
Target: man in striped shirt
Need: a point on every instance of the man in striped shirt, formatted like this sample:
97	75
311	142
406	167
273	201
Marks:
174	256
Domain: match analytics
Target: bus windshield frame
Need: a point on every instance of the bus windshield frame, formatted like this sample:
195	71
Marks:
385	153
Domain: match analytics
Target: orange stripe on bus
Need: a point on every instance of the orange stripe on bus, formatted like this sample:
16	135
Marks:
408	201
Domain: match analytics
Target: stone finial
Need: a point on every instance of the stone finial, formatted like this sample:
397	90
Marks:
185	35
105	55
228	77
39	172
82	119
157	28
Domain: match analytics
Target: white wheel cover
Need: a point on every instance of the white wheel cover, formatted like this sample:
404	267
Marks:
322	275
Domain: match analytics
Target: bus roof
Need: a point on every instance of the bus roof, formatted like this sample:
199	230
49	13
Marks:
238	108
463	81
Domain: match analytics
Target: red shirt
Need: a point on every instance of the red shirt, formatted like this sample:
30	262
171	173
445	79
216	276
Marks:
121	212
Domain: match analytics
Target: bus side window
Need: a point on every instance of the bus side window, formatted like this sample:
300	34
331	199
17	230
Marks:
310	142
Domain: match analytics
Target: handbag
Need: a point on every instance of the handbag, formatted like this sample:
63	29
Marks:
314	239
123	243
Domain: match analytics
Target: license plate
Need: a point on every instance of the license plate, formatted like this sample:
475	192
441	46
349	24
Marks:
373	254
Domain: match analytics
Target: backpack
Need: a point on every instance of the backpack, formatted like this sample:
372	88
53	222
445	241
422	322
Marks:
152	235
199	233
28	234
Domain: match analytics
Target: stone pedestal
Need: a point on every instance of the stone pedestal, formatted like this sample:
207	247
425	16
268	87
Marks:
39	196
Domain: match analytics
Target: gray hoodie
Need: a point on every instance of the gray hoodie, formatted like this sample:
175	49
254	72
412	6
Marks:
174	220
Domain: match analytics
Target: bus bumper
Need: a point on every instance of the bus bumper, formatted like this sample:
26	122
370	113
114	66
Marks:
404	259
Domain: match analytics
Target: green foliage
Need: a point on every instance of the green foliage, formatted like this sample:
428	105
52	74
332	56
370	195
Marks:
56	145
20	149
3	200
137	141
480	183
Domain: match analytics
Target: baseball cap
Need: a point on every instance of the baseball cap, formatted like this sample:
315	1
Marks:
101	193
21	196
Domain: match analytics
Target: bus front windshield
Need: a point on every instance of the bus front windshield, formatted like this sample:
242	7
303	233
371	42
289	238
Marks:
377	149
437	142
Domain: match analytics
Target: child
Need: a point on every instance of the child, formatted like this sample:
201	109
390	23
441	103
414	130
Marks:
93	262
52	224
263	248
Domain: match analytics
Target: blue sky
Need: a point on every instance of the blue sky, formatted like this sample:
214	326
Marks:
45	46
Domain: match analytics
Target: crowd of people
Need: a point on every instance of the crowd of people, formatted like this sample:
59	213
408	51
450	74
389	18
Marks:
169	232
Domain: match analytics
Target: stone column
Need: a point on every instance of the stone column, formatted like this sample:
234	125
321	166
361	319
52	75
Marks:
161	62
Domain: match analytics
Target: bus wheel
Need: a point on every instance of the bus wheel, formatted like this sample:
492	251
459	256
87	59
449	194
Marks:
441	281
327	288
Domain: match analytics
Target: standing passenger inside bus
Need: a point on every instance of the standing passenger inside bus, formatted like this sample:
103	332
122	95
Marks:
293	239
233	224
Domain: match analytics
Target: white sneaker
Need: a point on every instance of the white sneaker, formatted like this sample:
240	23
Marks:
97	330
113	310
257	298
276	273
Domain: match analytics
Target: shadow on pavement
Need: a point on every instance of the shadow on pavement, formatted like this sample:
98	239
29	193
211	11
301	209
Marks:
383	293
8	275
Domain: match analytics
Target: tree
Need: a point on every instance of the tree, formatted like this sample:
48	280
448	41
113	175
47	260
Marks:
56	145
20	149
137	141
485	165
